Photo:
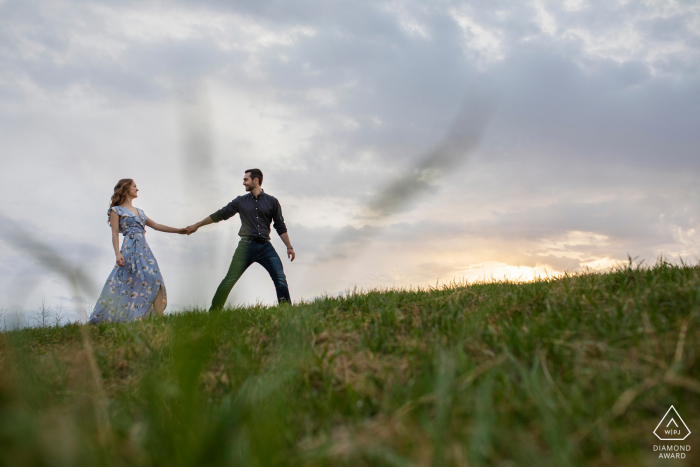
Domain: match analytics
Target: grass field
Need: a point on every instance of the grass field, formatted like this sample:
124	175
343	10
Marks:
577	370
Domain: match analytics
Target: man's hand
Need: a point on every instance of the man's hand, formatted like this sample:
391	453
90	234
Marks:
193	228
290	254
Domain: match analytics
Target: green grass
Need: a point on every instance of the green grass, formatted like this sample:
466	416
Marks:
570	371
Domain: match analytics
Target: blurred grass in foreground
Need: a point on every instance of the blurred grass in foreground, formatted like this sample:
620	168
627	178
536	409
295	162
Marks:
571	371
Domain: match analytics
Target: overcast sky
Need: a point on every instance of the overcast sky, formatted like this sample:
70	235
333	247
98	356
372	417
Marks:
406	141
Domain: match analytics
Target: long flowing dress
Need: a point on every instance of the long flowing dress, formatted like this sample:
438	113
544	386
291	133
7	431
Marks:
130	290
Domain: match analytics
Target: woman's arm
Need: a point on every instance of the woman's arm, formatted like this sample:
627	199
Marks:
163	228
114	222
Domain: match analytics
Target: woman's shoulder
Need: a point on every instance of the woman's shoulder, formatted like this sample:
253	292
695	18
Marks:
120	211
113	209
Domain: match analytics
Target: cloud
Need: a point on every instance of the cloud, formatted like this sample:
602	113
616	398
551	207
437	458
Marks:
49	259
581	147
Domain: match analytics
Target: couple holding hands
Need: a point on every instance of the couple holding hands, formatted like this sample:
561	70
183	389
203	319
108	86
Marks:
135	289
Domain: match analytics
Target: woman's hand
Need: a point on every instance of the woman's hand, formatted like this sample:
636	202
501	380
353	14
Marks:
182	231
120	260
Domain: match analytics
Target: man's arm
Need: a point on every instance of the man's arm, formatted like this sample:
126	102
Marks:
281	228
290	250
221	215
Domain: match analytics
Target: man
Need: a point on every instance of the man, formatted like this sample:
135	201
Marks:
257	210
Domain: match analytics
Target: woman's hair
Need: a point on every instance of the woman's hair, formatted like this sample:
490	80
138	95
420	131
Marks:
119	196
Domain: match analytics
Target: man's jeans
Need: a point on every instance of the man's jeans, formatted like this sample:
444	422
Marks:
247	253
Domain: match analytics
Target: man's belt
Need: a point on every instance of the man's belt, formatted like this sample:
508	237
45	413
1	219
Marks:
255	239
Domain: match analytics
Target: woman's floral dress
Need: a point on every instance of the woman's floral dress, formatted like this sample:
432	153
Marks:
130	290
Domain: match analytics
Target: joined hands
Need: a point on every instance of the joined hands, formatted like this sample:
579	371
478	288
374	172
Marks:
191	229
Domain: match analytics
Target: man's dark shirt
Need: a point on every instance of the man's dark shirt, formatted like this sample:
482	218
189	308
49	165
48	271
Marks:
256	215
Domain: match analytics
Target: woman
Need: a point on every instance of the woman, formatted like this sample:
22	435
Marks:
134	290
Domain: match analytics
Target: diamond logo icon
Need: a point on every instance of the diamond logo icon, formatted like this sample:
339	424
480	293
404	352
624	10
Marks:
672	427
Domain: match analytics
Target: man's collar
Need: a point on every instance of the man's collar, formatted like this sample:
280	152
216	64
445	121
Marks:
262	192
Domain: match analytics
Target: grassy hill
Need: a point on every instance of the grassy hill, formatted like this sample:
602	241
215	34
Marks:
571	371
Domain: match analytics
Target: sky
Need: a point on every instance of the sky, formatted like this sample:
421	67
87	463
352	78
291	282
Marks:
410	144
